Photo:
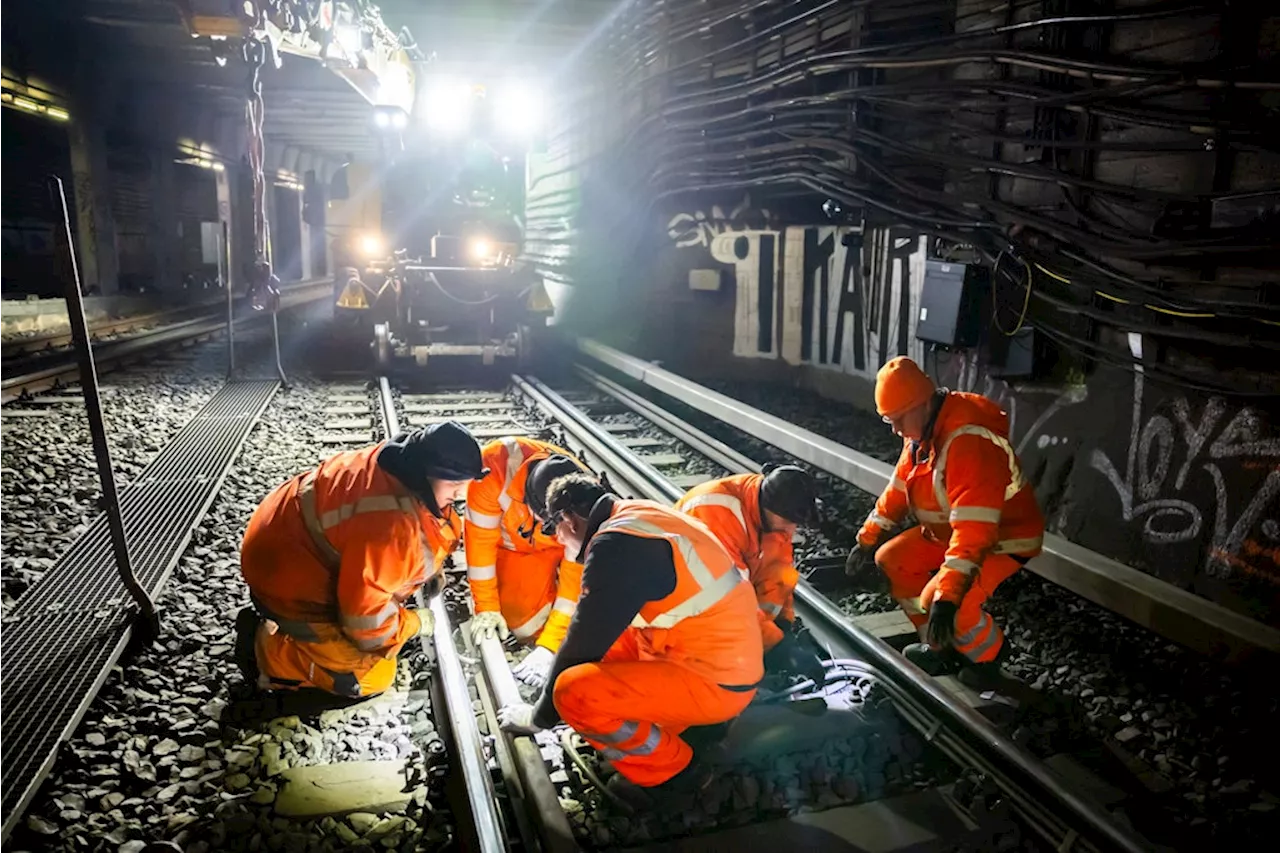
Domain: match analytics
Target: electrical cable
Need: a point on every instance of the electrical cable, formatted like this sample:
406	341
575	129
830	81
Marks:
1026	299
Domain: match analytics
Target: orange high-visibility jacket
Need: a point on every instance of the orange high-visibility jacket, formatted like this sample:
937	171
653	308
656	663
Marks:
730	508
967	492
708	623
498	518
333	553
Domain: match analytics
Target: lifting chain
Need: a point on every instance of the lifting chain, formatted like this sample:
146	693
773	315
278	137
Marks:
264	286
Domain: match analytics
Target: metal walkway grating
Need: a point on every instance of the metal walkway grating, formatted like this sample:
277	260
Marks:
63	636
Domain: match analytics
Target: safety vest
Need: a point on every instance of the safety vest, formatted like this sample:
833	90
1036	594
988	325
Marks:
977	511
705	572
498	518
346	503
730	508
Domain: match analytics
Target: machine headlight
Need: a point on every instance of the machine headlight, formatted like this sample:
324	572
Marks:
447	106
518	110
372	245
387	117
480	248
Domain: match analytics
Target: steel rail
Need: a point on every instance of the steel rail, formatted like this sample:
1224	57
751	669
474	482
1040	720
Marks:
1060	814
62	367
25	345
481	797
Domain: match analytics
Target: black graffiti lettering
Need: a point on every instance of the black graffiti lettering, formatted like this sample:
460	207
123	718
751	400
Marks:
765	293
850	303
903	253
816	256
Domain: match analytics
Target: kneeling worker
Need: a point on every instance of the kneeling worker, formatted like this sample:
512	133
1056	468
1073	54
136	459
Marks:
521	581
331	556
754	516
665	637
979	519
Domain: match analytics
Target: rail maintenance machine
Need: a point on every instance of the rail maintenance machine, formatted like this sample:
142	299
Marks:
427	239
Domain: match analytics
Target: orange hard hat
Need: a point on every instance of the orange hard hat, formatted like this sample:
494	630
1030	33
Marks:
901	386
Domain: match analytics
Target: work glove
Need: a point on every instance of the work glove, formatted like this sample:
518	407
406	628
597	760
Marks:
860	561
518	719
488	624
790	656
427	622
941	630
535	667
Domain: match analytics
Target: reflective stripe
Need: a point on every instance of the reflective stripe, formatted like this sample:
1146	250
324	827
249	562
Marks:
939	469
692	606
701	573
316	524
372	644
896	483
647	746
533	624
565	605
483	519
626	731
928	516
880	521
482	573
772	609
989	514
961	565
371	621
912	605
729	502
974	632
507	542
1019	546
515	458
993	638
504	500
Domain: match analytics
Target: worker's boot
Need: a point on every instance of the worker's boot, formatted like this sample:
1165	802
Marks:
988	675
934	662
246	632
681	792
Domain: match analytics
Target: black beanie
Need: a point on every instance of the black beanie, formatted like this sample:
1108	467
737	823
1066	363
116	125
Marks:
446	451
541	475
790	492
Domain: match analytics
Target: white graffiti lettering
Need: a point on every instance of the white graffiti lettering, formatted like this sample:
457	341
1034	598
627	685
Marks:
699	228
1170	520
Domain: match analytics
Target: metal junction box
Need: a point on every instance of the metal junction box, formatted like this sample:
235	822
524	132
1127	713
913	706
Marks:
951	304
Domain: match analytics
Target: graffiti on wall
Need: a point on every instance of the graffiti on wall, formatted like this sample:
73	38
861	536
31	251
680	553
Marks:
826	296
1175	457
701	227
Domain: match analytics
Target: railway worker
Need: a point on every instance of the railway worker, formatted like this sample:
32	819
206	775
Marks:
979	521
664	638
521	581
754	516
332	555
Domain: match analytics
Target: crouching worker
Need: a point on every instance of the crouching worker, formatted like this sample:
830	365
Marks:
754	516
521	581
979	521
332	556
664	638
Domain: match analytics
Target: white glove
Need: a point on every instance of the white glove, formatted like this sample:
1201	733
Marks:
488	624
428	621
535	667
518	719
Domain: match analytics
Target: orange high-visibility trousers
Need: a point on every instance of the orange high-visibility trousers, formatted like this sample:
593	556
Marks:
336	667
633	710
911	561
527	589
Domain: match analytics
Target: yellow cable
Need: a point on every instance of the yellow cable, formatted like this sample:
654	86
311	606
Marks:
1157	308
1026	297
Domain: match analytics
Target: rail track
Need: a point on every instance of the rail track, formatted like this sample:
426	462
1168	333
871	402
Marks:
980	788
39	363
865	672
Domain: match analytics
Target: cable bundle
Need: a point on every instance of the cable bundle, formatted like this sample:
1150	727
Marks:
1008	131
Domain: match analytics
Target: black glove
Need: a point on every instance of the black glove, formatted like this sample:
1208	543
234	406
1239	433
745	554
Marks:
942	624
790	656
859	561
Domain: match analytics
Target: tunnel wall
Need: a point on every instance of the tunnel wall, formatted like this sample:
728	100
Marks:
1180	484
687	211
